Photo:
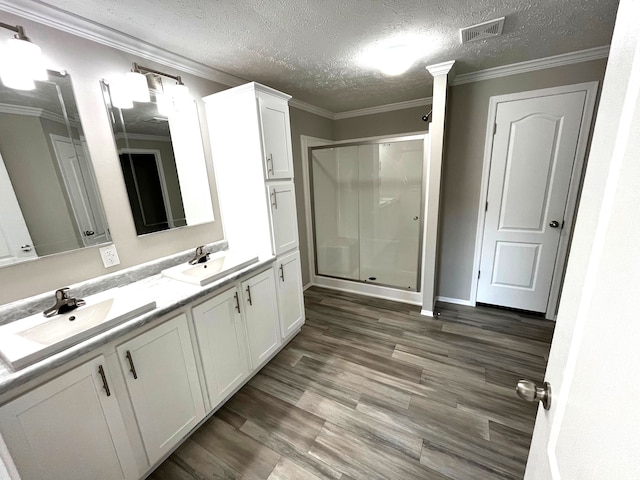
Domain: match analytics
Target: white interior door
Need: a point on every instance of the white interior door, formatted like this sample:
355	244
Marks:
534	150
591	429
82	191
15	240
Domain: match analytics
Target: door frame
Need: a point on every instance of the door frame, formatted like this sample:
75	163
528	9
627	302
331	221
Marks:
591	90
161	176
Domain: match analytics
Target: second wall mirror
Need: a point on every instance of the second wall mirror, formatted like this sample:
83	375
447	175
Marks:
162	159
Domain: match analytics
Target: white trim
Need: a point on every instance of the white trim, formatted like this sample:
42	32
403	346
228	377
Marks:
142	136
533	65
419	102
307	286
307	107
370	290
591	89
454	301
34	112
81	27
427	313
440	68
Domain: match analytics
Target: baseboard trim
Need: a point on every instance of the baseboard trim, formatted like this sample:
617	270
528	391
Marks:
369	290
455	301
426	313
307	286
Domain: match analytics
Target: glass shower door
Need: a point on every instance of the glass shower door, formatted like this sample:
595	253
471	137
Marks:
367	203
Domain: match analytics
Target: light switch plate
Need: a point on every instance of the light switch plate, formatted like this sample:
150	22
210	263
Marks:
109	256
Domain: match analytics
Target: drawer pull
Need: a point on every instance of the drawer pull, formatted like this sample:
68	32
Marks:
237	302
105	385
132	368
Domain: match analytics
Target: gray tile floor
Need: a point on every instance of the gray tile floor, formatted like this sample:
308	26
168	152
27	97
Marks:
372	390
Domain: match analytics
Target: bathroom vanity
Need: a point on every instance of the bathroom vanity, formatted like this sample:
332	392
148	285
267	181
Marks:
116	404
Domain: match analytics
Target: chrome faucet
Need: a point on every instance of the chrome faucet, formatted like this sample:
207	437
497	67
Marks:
64	303
199	257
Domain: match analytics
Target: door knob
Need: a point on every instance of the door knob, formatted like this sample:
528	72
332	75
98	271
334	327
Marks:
554	224
529	391
89	233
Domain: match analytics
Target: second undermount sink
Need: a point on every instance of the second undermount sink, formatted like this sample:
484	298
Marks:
31	339
219	265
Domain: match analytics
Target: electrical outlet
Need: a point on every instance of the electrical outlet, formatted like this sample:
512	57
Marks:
109	256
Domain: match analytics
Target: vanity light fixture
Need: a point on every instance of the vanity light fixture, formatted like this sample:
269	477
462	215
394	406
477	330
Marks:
22	61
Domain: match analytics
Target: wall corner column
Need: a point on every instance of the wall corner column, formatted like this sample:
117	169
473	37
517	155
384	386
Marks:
442	76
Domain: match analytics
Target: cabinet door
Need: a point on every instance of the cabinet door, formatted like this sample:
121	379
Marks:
290	299
276	137
161	376
70	428
283	217
261	317
222	343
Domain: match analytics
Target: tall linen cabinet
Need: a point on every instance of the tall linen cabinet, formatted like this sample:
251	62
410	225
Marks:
250	138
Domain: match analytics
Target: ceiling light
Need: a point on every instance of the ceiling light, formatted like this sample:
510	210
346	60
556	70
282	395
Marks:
396	59
137	86
119	92
22	61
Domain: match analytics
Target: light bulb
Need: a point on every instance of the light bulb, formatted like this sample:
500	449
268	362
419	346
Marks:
180	95
22	64
119	92
137	86
164	104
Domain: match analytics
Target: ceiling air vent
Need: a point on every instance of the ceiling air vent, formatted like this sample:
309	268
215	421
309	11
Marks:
492	28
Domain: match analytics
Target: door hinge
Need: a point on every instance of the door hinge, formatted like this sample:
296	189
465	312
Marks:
495	128
478	274
486	206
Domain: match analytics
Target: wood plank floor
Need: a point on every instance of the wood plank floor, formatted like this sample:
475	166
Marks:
372	390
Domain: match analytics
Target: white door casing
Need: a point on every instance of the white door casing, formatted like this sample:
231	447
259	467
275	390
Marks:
15	240
591	429
530	180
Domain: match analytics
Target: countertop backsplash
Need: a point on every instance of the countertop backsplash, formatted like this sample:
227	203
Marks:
38	303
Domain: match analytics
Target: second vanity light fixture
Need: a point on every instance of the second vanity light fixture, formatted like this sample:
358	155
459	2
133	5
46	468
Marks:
134	86
21	61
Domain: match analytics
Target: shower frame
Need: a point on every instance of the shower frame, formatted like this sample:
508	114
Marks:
373	289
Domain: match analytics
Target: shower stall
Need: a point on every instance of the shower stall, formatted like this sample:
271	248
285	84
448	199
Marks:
367	203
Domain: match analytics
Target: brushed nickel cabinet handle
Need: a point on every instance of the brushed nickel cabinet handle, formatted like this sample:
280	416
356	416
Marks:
249	292
270	160
237	302
274	202
105	385
132	368
282	272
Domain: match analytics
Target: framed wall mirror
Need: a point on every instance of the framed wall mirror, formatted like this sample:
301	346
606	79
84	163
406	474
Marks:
49	198
162	160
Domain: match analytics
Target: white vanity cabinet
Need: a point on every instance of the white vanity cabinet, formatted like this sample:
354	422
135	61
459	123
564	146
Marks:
160	372
276	135
290	298
283	216
261	317
70	428
222	340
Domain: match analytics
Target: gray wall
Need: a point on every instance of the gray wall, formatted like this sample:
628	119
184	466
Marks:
467	113
87	63
387	123
305	123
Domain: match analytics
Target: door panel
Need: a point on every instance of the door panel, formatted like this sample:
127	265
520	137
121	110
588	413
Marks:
533	153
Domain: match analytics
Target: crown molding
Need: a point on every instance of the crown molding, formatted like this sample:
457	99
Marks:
418	102
81	27
307	107
440	68
35	112
533	65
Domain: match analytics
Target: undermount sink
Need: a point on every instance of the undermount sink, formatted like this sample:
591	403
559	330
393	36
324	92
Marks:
219	265
31	339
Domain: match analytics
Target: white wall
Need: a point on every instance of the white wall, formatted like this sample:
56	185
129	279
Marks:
88	62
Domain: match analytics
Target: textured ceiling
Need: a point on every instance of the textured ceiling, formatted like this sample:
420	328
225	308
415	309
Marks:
310	48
